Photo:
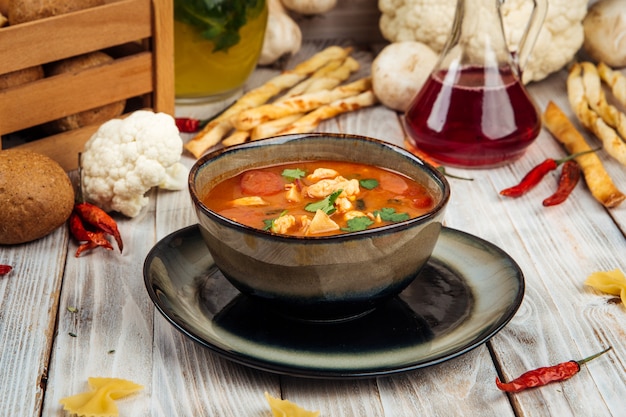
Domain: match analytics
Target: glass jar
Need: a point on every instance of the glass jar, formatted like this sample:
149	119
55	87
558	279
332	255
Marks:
216	46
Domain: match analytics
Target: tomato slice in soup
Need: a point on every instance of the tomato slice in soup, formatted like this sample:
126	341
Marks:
261	183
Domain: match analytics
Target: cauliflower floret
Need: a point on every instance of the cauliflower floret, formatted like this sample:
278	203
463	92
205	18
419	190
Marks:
125	158
430	22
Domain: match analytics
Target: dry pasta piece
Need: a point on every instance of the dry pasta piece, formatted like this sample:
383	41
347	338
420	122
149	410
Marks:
250	118
100	401
611	141
222	124
285	408
310	121
598	180
610	282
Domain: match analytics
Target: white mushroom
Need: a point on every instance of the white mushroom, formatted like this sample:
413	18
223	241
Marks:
605	32
399	71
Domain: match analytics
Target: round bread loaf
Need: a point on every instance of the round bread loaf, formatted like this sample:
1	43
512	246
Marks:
36	196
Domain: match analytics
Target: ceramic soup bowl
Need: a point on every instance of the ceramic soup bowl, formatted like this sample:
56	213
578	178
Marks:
324	277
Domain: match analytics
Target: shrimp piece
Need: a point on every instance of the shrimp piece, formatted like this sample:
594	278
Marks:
343	204
352	214
324	188
249	201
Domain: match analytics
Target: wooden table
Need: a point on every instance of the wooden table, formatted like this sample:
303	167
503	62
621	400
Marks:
48	352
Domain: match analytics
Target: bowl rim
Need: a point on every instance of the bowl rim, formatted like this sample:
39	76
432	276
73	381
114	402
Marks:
279	140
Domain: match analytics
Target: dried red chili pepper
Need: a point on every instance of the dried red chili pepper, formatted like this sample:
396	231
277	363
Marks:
5	269
542	376
535	175
187	124
91	239
570	175
99	218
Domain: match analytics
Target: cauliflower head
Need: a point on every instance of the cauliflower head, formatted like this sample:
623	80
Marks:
430	22
125	158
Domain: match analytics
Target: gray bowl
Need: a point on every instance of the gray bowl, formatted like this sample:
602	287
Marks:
318	278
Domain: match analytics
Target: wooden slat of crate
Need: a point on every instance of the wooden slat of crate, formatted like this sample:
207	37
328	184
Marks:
71	93
63	36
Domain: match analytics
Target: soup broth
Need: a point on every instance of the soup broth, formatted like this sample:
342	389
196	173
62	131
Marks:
319	198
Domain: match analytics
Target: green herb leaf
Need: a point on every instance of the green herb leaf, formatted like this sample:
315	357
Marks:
389	214
72	334
292	174
358	223
368	183
327	205
72	309
218	21
269	223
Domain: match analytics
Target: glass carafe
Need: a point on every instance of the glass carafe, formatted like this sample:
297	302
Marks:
474	110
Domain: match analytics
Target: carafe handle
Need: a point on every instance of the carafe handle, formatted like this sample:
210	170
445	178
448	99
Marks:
535	22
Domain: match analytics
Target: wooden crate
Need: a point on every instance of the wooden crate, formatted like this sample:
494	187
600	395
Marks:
139	33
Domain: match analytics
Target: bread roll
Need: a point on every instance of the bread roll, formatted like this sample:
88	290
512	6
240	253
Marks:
21	11
98	115
36	196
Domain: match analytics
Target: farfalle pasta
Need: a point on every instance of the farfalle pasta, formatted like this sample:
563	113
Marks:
610	282
285	408
100	401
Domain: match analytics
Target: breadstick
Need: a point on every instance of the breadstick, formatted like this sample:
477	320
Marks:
597	99
310	121
267	129
598	180
611	141
325	78
237	137
615	80
206	138
250	118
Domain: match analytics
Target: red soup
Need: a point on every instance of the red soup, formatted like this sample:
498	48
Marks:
319	198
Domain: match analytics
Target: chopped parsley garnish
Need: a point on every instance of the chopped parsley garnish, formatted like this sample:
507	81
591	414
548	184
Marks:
327	205
269	223
358	223
293	174
368	183
389	214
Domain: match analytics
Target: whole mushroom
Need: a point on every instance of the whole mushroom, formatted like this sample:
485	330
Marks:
605	32
399	71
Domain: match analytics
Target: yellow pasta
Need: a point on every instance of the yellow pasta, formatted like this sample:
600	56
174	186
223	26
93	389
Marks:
285	408
610	282
99	402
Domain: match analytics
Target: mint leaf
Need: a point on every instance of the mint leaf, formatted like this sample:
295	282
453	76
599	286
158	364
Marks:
389	214
293	174
368	183
327	205
358	223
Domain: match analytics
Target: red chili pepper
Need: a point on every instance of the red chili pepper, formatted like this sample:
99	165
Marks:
570	175
542	376
536	174
5	269
187	124
92	239
98	218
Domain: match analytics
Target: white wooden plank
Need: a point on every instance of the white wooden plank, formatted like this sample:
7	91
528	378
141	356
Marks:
28	305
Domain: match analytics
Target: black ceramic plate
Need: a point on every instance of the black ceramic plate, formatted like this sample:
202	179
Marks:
467	292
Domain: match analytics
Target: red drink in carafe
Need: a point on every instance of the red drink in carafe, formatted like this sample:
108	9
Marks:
475	117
